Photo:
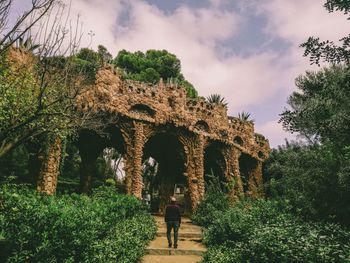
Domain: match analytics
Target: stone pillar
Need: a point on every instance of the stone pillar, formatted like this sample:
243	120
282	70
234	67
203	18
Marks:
47	179
138	141
237	190
199	164
128	168
195	170
255	182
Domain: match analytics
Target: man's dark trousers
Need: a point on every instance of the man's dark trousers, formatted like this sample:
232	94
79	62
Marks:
172	225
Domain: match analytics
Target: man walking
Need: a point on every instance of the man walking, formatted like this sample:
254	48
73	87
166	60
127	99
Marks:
173	221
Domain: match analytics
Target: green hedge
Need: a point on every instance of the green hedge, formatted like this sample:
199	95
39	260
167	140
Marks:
104	227
263	231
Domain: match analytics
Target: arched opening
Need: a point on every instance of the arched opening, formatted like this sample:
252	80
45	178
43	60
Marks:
112	159
201	126
165	153
143	110
247	165
215	165
238	140
101	159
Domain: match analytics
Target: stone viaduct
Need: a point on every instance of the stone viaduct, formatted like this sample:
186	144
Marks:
189	138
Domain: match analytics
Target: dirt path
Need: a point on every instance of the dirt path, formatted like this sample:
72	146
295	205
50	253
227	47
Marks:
190	247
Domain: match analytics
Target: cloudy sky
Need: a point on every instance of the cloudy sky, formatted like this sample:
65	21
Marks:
246	50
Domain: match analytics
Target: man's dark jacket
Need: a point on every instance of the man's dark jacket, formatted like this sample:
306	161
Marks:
172	213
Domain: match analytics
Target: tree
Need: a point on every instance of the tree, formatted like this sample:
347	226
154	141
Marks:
103	54
217	99
39	89
312	179
151	66
24	23
320	108
326	50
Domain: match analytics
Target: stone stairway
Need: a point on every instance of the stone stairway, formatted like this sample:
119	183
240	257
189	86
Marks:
190	247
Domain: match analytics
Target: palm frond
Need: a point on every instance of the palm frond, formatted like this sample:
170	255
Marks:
245	116
217	99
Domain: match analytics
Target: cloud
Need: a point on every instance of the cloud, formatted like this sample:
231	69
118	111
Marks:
99	17
298	19
196	35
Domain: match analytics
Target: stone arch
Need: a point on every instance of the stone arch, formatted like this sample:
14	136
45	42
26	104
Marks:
143	110
202	126
91	146
168	151
215	162
237	139
116	139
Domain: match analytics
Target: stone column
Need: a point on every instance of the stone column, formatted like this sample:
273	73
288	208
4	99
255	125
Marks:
255	182
47	179
128	168
195	170
237	190
138	141
199	167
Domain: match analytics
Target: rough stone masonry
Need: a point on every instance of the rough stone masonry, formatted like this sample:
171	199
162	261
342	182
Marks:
195	135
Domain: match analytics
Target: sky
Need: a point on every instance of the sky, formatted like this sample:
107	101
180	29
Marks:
246	50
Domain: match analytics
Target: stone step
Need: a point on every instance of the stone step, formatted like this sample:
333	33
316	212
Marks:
182	234
171	259
182	226
169	251
159	246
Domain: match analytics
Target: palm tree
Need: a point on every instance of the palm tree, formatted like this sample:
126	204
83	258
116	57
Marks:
217	99
245	116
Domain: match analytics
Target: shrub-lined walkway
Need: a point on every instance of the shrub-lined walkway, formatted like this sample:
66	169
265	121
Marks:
190	247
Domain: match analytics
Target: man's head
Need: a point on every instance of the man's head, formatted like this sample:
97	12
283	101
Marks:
173	200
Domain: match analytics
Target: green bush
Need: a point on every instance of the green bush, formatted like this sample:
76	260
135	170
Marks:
105	227
314	180
261	231
215	202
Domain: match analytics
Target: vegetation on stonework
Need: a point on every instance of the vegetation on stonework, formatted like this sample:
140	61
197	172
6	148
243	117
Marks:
245	116
153	65
217	99
103	227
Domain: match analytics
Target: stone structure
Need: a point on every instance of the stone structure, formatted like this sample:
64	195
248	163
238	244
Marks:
188	137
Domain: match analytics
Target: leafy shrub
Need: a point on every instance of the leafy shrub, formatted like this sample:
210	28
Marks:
314	180
215	202
105	227
261	231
